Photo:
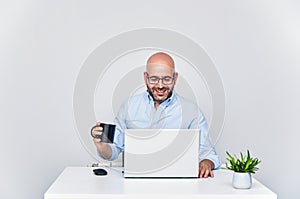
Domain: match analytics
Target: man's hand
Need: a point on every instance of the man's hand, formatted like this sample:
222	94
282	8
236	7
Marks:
205	169
103	148
97	132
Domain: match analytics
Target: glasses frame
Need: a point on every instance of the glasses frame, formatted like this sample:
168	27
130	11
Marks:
160	79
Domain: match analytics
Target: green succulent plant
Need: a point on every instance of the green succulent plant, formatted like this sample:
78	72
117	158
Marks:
245	163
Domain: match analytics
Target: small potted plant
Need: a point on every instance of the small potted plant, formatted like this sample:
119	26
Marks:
243	167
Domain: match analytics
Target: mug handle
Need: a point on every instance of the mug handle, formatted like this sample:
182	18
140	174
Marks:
97	136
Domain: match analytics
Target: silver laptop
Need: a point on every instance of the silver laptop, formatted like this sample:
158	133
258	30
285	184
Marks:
161	153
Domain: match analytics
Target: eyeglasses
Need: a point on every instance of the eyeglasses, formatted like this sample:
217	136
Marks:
165	80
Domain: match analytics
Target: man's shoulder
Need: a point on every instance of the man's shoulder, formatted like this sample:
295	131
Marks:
189	106
186	101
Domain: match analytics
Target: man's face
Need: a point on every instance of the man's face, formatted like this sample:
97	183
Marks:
160	91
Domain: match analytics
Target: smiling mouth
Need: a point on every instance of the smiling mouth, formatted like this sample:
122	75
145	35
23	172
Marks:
160	92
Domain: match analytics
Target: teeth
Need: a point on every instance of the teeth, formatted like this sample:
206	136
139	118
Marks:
160	91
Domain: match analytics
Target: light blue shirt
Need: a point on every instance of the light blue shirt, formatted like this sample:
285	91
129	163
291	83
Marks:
138	112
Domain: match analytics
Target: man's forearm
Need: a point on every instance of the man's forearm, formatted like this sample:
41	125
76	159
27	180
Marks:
104	150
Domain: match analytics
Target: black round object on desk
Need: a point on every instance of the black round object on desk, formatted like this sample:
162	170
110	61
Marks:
100	172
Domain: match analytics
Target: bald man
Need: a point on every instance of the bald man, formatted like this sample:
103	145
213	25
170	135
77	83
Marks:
160	107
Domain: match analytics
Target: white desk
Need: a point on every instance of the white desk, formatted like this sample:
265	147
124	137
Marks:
80	182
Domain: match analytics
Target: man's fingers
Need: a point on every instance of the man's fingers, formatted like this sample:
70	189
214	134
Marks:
98	128
202	172
96	140
205	173
97	134
211	173
205	170
97	131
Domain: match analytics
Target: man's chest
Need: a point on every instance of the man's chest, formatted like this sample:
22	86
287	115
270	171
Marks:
150	117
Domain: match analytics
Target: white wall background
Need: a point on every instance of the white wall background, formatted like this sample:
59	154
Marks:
255	46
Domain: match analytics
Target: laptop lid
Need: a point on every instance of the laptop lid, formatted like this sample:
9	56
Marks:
161	153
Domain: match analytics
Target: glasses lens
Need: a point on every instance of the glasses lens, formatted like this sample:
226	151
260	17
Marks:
153	80
167	80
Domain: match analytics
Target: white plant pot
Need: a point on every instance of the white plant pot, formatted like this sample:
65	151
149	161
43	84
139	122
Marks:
242	180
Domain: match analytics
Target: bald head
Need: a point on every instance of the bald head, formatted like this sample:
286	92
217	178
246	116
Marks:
160	59
160	77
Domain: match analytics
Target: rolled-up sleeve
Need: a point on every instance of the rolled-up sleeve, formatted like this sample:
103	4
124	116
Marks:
206	148
115	152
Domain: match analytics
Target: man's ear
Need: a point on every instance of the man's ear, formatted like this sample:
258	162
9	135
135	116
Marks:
175	77
145	77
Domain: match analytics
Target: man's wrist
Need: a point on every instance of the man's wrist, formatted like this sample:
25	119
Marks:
104	150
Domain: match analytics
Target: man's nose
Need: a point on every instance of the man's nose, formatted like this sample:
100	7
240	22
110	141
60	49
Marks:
160	84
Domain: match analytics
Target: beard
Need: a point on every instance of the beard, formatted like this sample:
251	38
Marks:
169	92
